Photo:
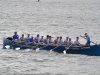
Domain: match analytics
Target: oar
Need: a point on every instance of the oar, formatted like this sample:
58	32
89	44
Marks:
7	46
37	49
90	41
18	48
93	42
15	43
41	48
67	49
54	48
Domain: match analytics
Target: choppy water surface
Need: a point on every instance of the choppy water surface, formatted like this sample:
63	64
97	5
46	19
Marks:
56	18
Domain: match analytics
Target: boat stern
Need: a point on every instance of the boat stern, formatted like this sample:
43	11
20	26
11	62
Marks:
7	43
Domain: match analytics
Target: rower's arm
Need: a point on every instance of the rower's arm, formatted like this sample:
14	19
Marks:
83	36
74	43
39	41
35	39
54	41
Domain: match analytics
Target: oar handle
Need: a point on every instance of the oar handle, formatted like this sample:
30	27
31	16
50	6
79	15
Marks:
68	47
43	46
80	35
94	43
55	47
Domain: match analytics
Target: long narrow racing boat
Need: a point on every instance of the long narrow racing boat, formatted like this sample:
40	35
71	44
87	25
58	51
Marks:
86	50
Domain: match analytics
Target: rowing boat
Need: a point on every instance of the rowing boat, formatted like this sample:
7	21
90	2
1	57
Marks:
87	50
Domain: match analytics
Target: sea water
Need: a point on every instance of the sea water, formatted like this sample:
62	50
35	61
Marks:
49	17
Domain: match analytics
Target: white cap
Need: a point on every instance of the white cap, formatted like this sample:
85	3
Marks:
70	37
85	33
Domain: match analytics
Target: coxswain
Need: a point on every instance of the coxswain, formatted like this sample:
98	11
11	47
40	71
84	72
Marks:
15	37
87	37
77	43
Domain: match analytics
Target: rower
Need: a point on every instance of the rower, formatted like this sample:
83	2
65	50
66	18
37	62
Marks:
70	41
66	42
28	38
87	37
42	40
50	41
37	39
32	40
15	37
60	41
77	43
56	40
47	40
22	39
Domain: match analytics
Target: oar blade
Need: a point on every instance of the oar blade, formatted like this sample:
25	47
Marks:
64	51
51	50
37	49
18	48
28	50
7	46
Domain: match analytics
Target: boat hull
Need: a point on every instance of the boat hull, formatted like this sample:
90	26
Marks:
87	50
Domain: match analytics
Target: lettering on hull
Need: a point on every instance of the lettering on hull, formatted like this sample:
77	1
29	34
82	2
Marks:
79	48
86	47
